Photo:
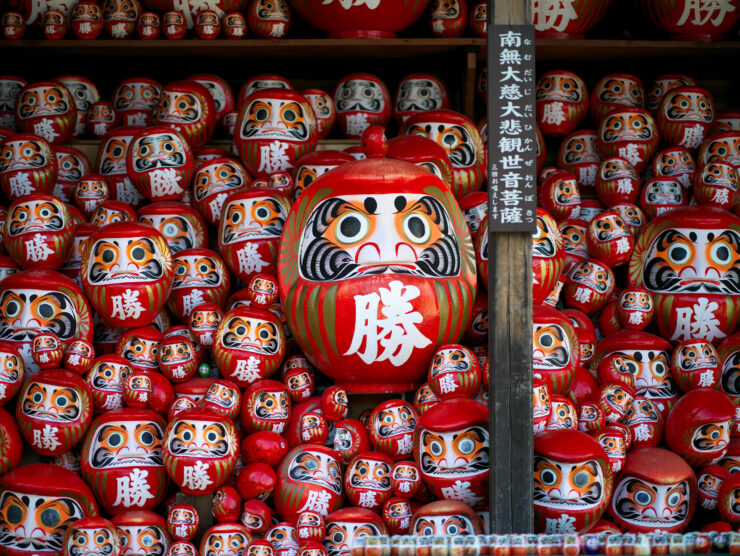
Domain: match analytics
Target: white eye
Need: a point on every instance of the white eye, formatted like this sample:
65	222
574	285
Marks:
352	227
679	253
436	448
416	228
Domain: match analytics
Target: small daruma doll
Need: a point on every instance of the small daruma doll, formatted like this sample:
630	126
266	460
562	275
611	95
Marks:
91	535
249	345
225	539
688	259
685	117
696	364
309	479
548	256
698	426
47	109
451	444
38	504
265	406
716	185
391	428
127	273
250	230
609	239
459	136
361	100
182	522
269	19
38	232
47	350
562	102
160	163
12	372
275	127
636	308
200	450
454	372
555	348
200	276
214	180
572	481
367	481
348	252
187	108
344	527
121	459
27	165
448	18
629	133
142	532
656	491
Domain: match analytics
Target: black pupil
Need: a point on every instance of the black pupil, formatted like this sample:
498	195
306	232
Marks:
679	253
108	256
137	253
723	253
14	514
50	517
46	310
350	227
546	341
261	114
416	227
290	115
147	438
115	439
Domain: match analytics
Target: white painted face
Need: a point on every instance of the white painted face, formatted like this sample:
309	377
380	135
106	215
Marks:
316	468
27	312
551	347
579	486
196	271
252	218
176	229
216	90
711	437
360	235
83	93
31	217
124	260
178	107
136	96
359	95
341	536
42	101
126	444
647	504
418	95
395	421
163	150
91	542
453	138
142	540
462	453
322	105
113	159
276	118
9	90
108	376
651	370
21	155
30	523
265	84
202	439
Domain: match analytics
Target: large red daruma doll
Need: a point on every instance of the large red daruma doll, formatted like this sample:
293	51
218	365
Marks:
548	256
689	259
376	271
572	481
34	301
38	503
127	273
275	127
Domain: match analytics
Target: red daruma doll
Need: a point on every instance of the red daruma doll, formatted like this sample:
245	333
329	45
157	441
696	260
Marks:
127	273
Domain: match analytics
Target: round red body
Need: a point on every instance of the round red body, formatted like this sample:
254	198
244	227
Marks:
367	480
160	163
696	364
182	522
572	481
562	102
687	21
121	459
388	266
199	450
548	256
616	91
448	18
187	108
269	19
235	26
148	26
309	479
716	185
14	25
574	21
207	24
265	406
350	438
21	174
617	182
629	133
391	428
686	116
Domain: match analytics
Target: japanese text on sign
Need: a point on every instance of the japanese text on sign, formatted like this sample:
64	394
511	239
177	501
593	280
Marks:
512	143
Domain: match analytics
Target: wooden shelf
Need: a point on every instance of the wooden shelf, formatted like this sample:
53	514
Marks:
249	48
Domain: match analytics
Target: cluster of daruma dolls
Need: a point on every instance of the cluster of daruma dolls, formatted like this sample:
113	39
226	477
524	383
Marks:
232	19
144	364
636	290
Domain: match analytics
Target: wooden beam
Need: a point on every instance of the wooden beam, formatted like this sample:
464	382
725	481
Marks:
469	76
510	344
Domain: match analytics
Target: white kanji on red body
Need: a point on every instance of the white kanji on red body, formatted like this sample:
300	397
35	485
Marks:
460	490
133	489
126	306
273	158
195	477
45	129
165	181
561	525
396	333
318	501
46	438
447	384
631	153
247	370
367	499
250	259
554	14
37	248
357	123
702	12
20	185
192	300
693	136
698	321
553	113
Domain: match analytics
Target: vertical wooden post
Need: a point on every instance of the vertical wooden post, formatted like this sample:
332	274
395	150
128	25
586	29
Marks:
471	60
510	341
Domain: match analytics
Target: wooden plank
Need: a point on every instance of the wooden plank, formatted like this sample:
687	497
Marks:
510	351
469	78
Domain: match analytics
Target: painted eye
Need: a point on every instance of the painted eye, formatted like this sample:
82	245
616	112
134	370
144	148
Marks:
548	477
12	309
679	253
546	340
146	438
262	115
337	537
115	440
50	517
721	253
673	499
212	436
643	497
187	436
436	448
581	479
352	227
46	310
416	228
312	465
138	253
290	115
466	446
